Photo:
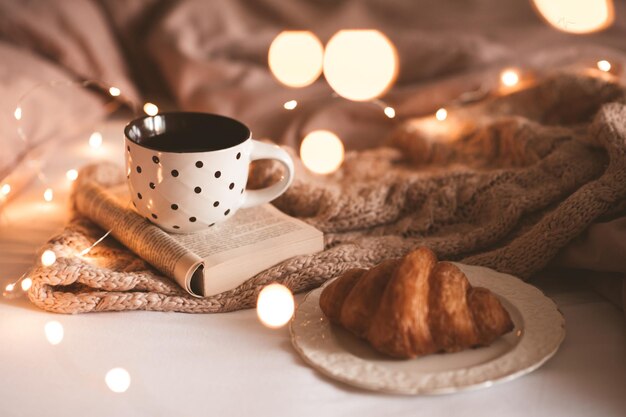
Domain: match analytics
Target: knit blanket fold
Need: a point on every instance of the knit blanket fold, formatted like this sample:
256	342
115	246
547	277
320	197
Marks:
505	183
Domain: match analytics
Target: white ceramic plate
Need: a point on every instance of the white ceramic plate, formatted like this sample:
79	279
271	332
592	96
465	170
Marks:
538	333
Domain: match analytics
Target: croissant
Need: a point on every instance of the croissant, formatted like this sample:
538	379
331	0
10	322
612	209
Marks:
415	306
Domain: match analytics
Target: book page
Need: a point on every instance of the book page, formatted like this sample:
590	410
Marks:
111	212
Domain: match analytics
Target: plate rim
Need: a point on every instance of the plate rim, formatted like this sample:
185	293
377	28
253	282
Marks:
541	302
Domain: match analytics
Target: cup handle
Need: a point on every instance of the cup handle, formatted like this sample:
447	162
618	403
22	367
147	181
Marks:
262	150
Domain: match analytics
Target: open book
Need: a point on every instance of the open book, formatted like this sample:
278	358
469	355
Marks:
208	262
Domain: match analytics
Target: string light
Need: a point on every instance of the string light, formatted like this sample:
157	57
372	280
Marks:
71	174
441	114
322	151
114	91
150	109
48	195
5	189
295	58
48	257
118	380
54	332
290	105
509	78
9	287
95	140
94	244
18	113
26	284
604	65
275	306
390	112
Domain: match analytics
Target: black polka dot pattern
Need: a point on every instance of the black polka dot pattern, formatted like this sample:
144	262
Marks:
199	164
174	173
138	169
152	185
176	227
218	174
154	216
192	219
242	191
212	224
197	190
128	148
226	212
217	203
139	196
155	159
238	155
231	186
174	206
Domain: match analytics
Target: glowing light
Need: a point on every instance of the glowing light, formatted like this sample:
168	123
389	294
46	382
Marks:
48	257
509	78
360	64
114	91
5	189
322	151
582	16
604	65
390	112
54	332
290	105
275	306
26	284
441	114
118	380
150	109
18	113
9	287
295	58
71	174
48	195
95	140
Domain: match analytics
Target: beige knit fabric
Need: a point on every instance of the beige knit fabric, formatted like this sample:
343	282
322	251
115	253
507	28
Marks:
506	184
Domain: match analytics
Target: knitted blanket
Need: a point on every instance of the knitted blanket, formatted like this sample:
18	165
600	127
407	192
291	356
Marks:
505	183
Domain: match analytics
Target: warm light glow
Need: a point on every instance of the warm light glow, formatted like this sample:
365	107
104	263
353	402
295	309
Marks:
322	151
151	109
27	283
114	91
48	257
54	332
360	64
290	105
18	113
118	380
441	114
509	78
604	65
71	175
48	195
295	58
275	305
576	16
390	112
9	287
95	140
5	189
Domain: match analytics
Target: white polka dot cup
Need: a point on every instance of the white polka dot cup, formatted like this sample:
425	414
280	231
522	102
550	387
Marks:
188	171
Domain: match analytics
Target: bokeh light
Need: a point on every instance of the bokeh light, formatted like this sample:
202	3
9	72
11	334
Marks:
54	332
118	380
295	58
48	257
26	284
48	195
604	65
18	113
150	109
576	16
390	112
441	114
360	64
71	174
114	91
322	151
95	140
509	78
5	189
290	105
275	306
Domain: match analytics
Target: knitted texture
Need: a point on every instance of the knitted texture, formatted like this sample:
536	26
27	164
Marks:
505	183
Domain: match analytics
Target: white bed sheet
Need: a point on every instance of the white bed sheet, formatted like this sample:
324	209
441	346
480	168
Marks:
229	364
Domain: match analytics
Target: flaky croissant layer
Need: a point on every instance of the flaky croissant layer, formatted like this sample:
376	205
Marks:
415	306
